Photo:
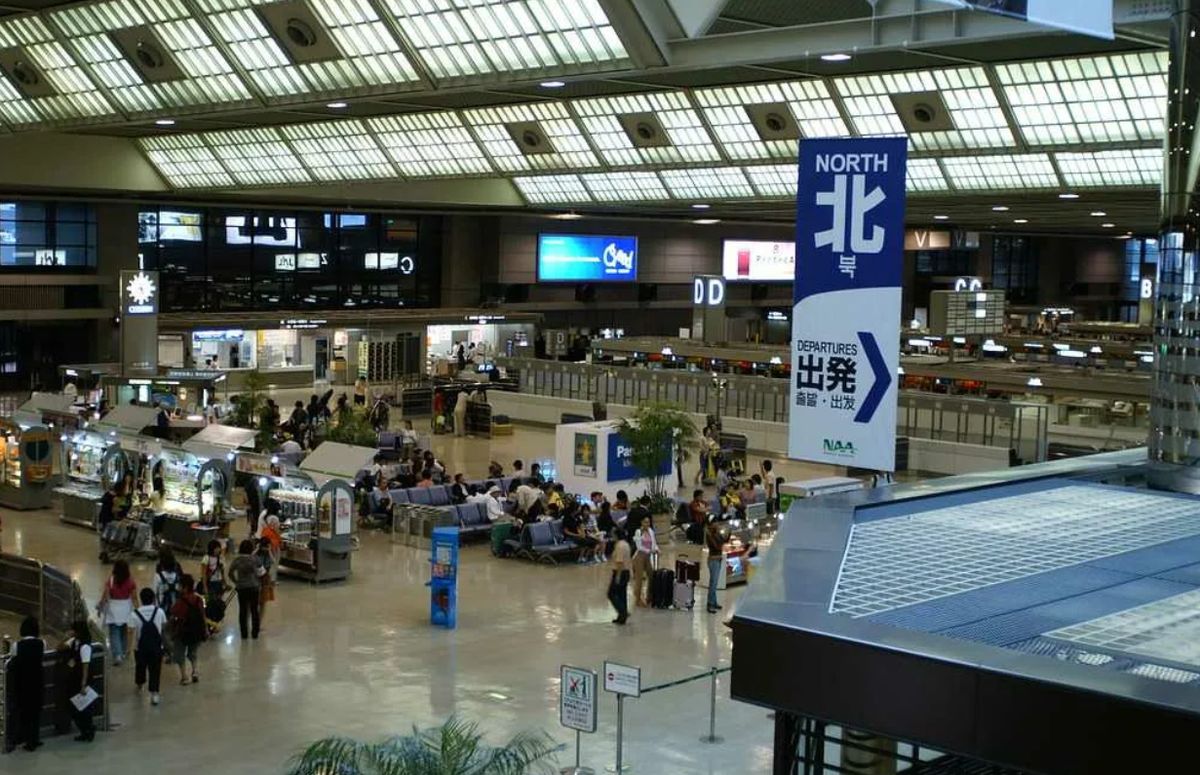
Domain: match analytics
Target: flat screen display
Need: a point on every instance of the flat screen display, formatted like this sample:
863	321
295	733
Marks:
586	258
346	221
759	262
266	230
169	226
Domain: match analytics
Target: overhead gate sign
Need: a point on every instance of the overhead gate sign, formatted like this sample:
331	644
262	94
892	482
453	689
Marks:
846	319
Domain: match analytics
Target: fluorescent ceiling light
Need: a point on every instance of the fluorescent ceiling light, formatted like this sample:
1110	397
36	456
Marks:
774	180
836	57
257	157
707	183
1000	209
941	217
925	175
1020	220
983	173
427	145
337	105
165	122
552	84
706	221
339	150
1107	225
186	161
1068	196
566	216
1099	214
630	186
700	206
1034	382
552	189
571	148
1138	167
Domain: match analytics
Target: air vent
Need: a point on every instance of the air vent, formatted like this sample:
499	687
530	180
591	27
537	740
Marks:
299	32
26	76
529	137
773	121
923	112
644	130
147	54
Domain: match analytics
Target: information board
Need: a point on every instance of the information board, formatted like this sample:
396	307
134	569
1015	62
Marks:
761	262
846	314
586	258
577	699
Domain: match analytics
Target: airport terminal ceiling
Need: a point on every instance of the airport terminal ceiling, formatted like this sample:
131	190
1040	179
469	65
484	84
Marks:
594	106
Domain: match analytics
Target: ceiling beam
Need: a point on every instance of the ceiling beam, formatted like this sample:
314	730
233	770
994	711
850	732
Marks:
697	16
643	28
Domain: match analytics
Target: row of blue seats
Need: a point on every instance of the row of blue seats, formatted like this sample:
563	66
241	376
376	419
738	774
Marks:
438	494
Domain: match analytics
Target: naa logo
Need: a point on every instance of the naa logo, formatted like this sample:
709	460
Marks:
840	448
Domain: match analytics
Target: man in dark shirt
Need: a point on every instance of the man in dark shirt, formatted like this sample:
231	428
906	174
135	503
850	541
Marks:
458	490
574	524
640	510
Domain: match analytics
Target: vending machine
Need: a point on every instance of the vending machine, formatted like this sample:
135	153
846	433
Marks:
443	582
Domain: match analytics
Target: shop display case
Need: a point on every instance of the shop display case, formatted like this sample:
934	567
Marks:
196	506
28	466
317	522
91	461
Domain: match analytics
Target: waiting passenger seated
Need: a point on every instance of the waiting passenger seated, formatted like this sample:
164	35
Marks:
535	475
591	549
528	501
621	502
381	500
459	490
426	479
495	470
494	506
731	503
556	495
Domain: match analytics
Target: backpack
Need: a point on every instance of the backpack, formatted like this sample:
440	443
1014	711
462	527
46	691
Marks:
170	591
192	628
150	640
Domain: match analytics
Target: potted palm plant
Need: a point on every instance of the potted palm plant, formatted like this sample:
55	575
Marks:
455	748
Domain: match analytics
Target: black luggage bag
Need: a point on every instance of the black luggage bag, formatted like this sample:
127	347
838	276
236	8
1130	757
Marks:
662	588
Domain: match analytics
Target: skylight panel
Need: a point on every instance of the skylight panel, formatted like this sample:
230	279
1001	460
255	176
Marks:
185	161
1116	98
1141	167
711	183
257	157
983	173
689	140
372	58
210	78
553	189
979	121
629	186
774	180
926	175
339	150
570	148
77	98
810	103
461	39
428	145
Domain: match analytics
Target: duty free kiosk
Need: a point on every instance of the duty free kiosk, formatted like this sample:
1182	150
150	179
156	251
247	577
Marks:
27	467
593	456
93	461
196	507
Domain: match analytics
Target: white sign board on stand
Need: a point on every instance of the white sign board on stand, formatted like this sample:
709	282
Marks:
577	699
622	679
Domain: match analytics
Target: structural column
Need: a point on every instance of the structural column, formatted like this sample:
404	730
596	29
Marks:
1174	441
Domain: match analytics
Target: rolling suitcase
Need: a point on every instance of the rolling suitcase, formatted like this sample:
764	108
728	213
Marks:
686	570
684	595
662	588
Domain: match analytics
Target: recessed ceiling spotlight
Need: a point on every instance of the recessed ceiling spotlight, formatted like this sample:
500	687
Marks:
1107	225
566	216
836	57
337	105
165	122
999	209
552	84
706	221
1099	214
1068	196
1020	220
700	206
941	217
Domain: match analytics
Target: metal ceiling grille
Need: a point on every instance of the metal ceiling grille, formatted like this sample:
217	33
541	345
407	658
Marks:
1111	168
459	39
981	173
1093	100
571	150
689	141
257	157
710	183
339	150
428	145
629	186
974	108
186	161
371	57
775	180
76	99
210	78
925	175
810	103
553	189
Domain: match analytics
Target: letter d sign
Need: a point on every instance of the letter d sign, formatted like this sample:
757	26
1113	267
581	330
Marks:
698	291
716	292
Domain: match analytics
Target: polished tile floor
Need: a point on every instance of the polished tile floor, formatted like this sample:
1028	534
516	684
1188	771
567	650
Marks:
360	659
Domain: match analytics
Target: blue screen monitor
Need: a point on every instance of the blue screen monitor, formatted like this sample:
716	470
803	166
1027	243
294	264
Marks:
590	258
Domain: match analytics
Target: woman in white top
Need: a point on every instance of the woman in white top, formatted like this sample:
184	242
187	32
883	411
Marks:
645	545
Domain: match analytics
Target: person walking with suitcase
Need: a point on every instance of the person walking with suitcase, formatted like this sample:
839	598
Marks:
190	627
149	621
646	544
714	539
244	573
618	585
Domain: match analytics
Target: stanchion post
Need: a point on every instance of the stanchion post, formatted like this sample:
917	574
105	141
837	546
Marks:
711	737
620	728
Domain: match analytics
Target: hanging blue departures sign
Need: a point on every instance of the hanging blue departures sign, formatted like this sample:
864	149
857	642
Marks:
846	319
